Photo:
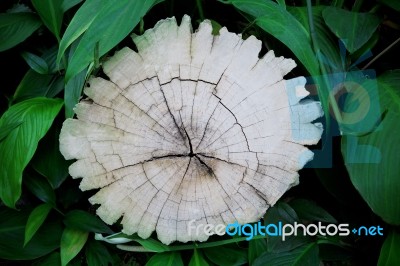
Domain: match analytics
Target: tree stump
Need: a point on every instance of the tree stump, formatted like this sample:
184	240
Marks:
191	127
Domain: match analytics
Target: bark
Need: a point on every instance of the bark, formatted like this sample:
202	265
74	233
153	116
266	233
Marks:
192	127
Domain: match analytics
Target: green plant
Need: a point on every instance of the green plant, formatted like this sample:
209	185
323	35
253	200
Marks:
57	44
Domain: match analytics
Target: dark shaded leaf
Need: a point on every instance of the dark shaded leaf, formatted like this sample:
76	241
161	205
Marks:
40	188
97	254
284	214
32	85
395	4
53	259
12	231
256	248
84	221
18	147
68	4
310	211
304	255
51	13
224	255
16	27
36	63
48	160
72	92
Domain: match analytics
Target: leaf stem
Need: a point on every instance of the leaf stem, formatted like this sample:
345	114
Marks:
381	53
200	8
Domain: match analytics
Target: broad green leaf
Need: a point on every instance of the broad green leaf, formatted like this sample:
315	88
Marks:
277	21
35	220
72	241
225	255
39	187
12	232
68	4
353	28
395	4
328	45
304	255
256	248
82	19
112	22
18	147
390	250
310	211
371	160
16	27
32	85
36	63
84	221
97	254
48	160
51	13
283	213
7	129
72	92
198	259
166	259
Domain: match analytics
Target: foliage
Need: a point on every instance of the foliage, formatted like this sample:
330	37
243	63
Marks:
57	44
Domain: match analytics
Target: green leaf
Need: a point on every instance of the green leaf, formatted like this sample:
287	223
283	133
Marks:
39	187
36	63
390	250
256	248
12	232
304	255
48	160
51	13
327	43
35	220
277	21
97	254
105	26
7	129
84	221
395	4
166	259
72	93
285	214
353	28
224	255
72	241
310	211
371	160
18	147
198	259
68	4
15	28
32	85
152	244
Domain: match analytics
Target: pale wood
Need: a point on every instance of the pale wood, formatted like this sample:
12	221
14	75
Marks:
245	123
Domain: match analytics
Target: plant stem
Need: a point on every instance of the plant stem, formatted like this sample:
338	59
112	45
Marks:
357	5
381	53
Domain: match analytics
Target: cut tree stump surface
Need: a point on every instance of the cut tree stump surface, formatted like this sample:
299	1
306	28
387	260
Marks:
192	127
